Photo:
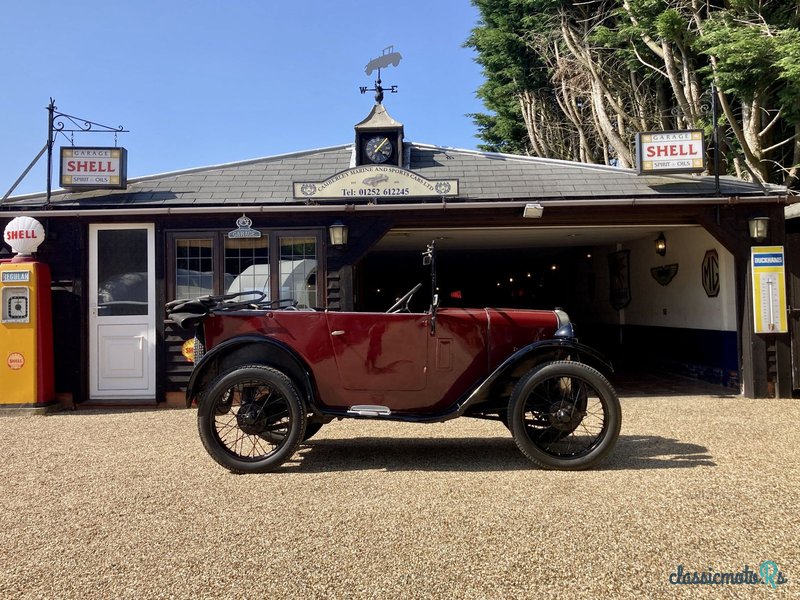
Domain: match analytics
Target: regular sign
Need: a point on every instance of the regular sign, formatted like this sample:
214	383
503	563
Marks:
670	152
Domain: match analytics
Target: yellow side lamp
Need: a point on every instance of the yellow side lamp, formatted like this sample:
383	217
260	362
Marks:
187	349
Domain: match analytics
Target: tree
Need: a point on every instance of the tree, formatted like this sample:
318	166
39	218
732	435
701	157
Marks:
749	47
576	81
514	68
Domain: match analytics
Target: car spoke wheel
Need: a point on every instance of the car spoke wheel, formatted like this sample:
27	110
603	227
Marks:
564	415
252	419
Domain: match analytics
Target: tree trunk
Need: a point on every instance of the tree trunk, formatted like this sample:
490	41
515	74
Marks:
733	123
793	174
568	105
677	87
529	117
607	127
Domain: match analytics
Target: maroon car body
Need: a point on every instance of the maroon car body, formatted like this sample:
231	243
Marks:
391	360
266	378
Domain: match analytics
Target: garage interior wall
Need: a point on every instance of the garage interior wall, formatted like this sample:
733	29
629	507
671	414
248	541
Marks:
677	326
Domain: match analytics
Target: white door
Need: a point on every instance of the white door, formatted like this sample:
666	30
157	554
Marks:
122	326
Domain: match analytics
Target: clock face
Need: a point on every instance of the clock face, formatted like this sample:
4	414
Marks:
379	149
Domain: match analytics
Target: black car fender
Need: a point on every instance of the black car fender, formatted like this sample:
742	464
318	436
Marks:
534	354
246	350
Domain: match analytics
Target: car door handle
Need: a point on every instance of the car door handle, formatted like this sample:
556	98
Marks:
338	332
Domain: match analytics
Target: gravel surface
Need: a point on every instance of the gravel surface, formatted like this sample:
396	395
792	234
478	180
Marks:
127	504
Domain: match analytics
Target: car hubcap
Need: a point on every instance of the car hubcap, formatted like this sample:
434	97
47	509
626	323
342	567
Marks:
251	419
564	416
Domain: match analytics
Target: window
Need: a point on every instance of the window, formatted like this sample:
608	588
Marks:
208	262
247	266
122	276
194	268
298	277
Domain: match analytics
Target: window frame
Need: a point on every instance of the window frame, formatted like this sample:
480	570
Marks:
218	237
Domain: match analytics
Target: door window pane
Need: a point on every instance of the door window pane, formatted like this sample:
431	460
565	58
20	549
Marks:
194	268
122	272
298	270
247	265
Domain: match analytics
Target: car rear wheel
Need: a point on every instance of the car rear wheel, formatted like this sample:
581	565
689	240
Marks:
564	415
251	419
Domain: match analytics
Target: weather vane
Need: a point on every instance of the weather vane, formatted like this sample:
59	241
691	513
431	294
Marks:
387	57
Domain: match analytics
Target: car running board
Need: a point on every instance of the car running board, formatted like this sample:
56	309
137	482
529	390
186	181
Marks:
369	410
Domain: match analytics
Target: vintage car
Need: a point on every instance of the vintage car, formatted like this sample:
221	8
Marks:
387	57
268	375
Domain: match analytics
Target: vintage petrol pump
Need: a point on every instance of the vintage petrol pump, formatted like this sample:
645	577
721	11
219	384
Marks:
26	325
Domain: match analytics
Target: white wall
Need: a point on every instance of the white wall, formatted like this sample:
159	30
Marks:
683	303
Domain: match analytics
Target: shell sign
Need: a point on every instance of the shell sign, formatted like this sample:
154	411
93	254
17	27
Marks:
24	235
670	152
94	168
15	361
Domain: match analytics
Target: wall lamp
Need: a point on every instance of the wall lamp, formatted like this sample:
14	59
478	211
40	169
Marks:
533	211
759	228
661	244
338	233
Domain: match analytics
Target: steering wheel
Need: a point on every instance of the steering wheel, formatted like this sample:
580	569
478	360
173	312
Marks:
403	302
284	304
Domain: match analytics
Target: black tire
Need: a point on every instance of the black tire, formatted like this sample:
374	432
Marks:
251	419
564	415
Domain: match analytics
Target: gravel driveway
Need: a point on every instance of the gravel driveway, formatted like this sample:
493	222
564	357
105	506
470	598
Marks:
126	504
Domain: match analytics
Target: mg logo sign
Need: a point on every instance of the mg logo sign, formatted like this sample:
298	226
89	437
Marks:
710	272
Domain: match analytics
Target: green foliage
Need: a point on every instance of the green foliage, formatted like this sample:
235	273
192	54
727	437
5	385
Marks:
671	25
652	62
745	55
510	66
788	65
500	135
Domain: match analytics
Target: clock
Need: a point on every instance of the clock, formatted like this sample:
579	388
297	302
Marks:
378	149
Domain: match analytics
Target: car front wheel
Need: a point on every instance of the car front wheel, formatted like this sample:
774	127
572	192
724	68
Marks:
251	419
564	415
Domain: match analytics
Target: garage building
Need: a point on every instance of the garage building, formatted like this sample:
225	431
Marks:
654	270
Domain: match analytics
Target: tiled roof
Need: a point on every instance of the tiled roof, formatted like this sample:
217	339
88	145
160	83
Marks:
482	176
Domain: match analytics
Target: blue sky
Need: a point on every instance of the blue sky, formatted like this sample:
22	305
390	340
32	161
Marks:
200	83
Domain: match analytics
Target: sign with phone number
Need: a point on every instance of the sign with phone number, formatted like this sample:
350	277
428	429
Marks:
375	181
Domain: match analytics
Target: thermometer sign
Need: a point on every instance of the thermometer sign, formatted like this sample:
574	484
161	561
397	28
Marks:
769	289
